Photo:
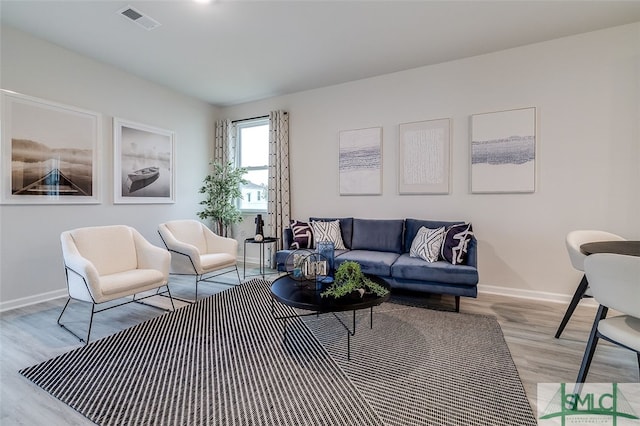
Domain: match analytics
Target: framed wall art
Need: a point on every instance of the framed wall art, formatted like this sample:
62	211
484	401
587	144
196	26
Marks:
144	164
50	152
424	157
503	151
360	163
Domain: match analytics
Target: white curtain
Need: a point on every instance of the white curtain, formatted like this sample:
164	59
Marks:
224	145
279	206
224	149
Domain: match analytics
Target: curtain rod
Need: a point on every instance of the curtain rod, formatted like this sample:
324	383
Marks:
253	118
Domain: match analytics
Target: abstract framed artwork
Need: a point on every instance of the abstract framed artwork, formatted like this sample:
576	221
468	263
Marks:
50	152
144	164
503	151
360	162
424	157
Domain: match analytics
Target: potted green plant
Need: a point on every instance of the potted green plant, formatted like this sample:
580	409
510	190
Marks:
222	189
349	279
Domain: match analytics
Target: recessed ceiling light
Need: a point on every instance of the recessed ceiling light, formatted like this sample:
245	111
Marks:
202	1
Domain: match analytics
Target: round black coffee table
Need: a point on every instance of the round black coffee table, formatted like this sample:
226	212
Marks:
303	295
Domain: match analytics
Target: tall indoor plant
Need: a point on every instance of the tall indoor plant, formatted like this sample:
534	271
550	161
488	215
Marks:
222	189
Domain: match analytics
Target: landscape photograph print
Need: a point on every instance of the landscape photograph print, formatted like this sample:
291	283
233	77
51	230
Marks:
49	152
503	151
144	171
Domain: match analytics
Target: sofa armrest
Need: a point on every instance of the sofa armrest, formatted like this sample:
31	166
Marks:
287	238
472	253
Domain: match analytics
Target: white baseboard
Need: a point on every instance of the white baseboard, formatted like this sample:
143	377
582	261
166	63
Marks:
488	289
531	294
31	300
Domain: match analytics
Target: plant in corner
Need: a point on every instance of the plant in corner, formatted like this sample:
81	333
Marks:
222	189
349	278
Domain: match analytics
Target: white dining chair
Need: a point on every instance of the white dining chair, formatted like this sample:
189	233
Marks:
615	282
573	242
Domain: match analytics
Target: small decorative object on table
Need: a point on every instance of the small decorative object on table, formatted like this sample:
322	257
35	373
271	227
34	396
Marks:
327	250
307	266
259	228
350	280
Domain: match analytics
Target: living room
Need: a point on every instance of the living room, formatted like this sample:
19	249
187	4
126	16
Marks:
585	88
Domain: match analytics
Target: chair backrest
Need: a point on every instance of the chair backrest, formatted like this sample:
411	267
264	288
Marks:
576	238
615	281
110	249
188	231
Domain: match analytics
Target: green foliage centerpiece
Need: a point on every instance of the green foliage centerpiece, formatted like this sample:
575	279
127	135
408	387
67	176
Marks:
348	279
222	189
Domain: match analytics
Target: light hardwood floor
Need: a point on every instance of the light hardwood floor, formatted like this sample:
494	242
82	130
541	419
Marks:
30	335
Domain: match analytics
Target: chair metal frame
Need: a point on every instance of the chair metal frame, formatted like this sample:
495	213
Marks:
94	304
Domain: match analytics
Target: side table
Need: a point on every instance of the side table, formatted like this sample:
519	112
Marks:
266	240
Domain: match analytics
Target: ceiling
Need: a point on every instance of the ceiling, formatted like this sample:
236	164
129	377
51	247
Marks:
229	52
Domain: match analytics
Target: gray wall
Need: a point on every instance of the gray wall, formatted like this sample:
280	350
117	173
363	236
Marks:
586	91
31	261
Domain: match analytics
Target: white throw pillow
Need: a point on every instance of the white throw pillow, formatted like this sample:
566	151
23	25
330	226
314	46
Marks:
427	243
328	231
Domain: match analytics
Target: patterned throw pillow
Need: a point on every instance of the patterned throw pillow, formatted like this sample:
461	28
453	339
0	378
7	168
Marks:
427	243
302	235
328	231
456	243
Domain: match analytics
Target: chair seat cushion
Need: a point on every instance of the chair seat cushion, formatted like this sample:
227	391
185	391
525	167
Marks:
131	282
216	261
623	329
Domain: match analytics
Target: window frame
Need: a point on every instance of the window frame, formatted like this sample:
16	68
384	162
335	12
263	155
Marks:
243	124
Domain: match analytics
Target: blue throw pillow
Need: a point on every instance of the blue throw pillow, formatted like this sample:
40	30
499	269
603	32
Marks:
456	243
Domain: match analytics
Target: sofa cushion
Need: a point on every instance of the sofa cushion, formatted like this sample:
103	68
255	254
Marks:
456	243
412	226
378	235
346	227
372	262
413	268
427	244
328	231
302	235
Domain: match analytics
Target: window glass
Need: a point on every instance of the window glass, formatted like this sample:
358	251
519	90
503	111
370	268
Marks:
253	154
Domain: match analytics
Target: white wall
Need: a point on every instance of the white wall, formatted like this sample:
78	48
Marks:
30	258
586	90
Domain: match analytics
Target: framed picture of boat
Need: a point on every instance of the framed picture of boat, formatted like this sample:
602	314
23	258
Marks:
144	163
50	152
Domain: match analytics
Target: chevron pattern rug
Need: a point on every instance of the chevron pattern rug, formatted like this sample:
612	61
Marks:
223	361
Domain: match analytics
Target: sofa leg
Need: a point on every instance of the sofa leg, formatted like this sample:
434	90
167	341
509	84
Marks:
457	303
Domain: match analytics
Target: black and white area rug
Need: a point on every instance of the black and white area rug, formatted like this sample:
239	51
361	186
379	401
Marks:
223	361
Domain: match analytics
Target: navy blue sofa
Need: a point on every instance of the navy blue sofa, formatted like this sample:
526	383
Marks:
381	247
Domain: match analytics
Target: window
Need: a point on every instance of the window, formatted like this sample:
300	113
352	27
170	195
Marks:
253	154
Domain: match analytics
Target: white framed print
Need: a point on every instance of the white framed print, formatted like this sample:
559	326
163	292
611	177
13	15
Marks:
503	151
360	162
50	152
144	163
424	154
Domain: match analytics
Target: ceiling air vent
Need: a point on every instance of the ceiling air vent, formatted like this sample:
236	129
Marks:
139	18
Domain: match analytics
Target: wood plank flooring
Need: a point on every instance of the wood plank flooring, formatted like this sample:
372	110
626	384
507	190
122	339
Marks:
30	335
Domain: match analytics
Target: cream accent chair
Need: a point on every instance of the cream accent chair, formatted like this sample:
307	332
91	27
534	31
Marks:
573	242
615	283
196	250
104	263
